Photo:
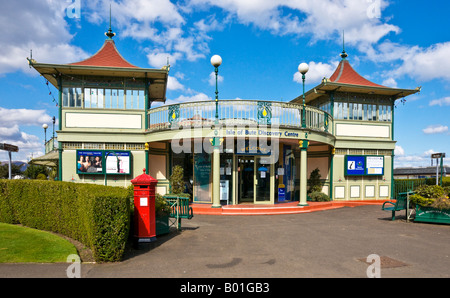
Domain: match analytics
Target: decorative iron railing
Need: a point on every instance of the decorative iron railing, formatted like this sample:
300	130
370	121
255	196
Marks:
238	113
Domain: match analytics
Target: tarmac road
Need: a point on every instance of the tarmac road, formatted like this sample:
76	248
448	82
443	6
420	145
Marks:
333	243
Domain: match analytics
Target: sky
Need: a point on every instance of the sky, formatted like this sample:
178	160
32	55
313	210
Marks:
403	44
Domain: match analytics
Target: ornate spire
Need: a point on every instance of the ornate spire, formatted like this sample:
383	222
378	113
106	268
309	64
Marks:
110	34
343	54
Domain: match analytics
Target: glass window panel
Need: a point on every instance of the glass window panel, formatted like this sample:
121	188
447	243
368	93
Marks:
128	99
388	113
365	112
141	102
121	99
93	98
100	98
114	98
344	107
350	111
65	96
108	98
78	97
359	111
71	97
87	97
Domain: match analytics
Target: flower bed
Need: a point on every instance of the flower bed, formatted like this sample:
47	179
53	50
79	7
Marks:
432	204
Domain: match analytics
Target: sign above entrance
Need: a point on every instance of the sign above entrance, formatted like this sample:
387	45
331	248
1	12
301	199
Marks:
248	148
264	132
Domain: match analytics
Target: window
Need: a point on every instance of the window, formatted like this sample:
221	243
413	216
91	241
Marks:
72	97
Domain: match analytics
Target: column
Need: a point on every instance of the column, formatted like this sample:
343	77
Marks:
216	176
303	172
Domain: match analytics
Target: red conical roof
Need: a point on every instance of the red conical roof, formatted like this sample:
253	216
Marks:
107	56
345	74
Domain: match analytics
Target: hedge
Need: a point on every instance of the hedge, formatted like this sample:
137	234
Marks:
97	216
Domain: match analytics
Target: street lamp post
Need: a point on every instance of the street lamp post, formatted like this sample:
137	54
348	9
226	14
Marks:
216	61
303	69
45	126
53	134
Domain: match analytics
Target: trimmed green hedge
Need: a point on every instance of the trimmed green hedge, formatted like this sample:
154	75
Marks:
97	216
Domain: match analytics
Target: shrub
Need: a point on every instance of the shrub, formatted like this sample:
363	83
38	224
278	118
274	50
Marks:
162	207
177	180
431	196
318	196
95	215
315	185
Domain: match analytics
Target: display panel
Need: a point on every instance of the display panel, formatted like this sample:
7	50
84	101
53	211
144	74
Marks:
89	162
362	165
375	165
118	162
355	165
103	162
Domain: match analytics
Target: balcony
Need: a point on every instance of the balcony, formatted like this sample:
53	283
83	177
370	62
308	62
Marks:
239	113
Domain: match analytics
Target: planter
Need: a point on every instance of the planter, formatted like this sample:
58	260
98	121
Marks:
430	214
162	225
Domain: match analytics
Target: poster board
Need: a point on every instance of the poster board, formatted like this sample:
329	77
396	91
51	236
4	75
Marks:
364	165
101	162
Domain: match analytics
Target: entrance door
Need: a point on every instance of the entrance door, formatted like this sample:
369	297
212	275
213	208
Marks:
262	179
246	171
254	179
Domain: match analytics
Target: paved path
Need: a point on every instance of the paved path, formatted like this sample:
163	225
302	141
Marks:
332	243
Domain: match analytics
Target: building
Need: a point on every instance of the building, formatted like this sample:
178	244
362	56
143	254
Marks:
421	172
232	151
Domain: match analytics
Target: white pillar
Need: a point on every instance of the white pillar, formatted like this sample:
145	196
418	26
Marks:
216	178
303	176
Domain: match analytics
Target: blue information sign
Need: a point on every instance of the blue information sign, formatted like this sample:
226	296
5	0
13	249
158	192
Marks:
355	165
281	194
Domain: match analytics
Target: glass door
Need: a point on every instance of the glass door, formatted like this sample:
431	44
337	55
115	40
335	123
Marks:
246	171
263	173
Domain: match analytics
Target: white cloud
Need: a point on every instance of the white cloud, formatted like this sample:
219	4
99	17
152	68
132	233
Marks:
440	102
174	84
423	64
429	152
184	98
317	71
12	117
158	21
36	25
318	18
390	82
433	129
212	79
11	122
399	151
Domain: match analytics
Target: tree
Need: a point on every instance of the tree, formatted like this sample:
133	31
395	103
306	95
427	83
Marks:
34	170
4	171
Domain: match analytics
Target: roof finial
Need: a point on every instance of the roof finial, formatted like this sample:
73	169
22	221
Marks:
343	54
110	34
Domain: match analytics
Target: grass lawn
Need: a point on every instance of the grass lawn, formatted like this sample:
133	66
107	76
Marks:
25	245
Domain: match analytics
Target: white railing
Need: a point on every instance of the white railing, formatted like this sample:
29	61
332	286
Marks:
238	113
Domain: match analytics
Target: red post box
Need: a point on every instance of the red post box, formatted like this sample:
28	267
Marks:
144	208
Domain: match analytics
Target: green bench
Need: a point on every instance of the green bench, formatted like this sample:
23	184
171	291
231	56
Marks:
401	203
179	208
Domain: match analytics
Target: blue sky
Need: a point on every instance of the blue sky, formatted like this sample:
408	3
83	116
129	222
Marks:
402	44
